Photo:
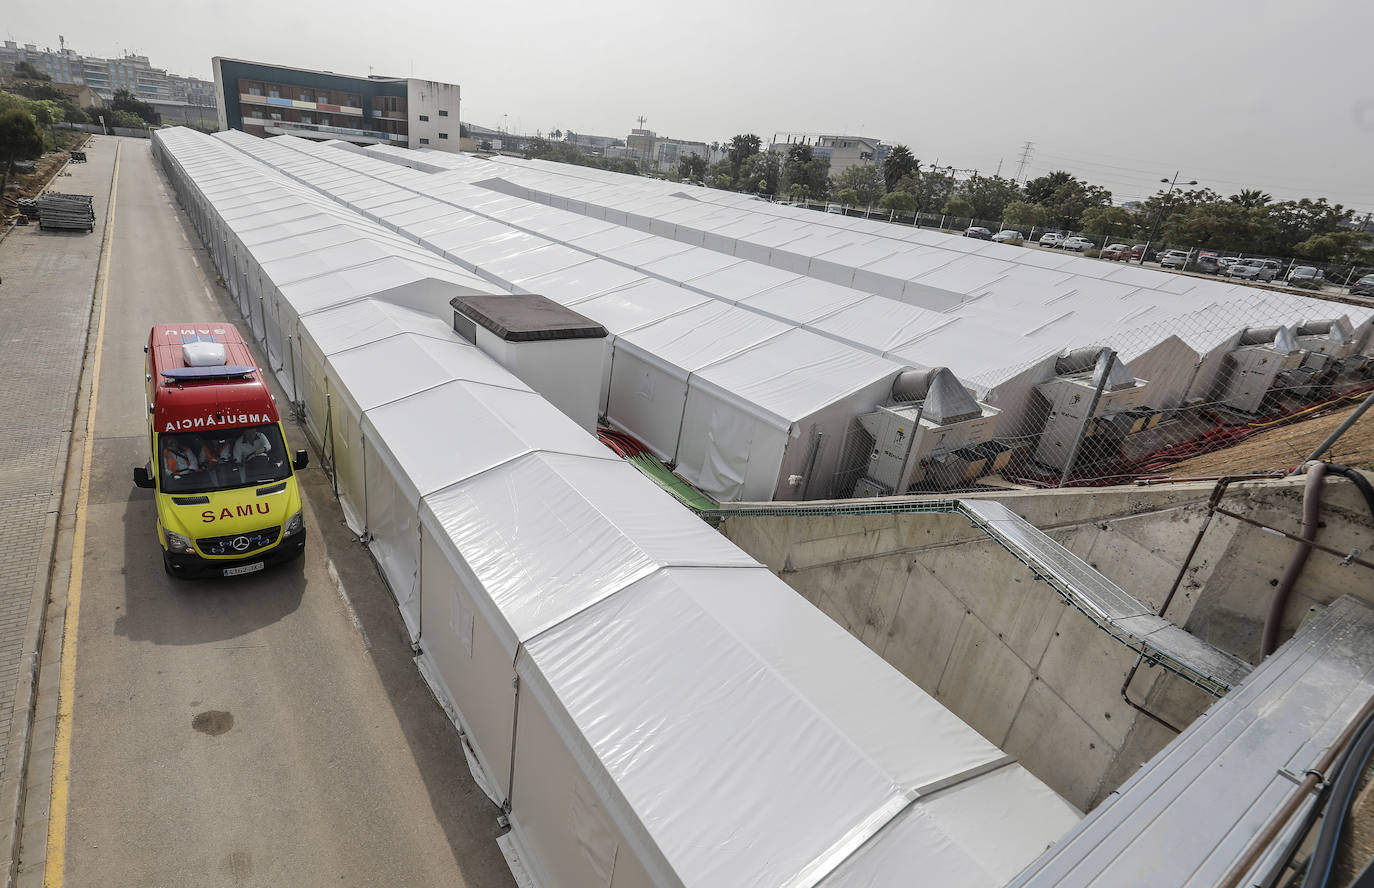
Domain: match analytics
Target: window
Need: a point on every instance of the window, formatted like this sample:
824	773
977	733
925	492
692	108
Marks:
443	113
424	141
273	93
306	118
443	135
305	96
322	98
254	90
276	115
424	118
258	115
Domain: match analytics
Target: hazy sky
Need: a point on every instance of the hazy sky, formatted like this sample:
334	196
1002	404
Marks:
1235	93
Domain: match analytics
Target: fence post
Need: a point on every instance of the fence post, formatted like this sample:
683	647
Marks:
1105	359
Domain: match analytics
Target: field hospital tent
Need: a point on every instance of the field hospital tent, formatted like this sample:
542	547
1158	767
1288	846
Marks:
381	372
328	332
651	705
651	366
429	441
771	421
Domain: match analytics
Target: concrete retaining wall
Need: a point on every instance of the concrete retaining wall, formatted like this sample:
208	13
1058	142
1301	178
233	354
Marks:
970	624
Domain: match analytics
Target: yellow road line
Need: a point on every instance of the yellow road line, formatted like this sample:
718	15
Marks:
55	867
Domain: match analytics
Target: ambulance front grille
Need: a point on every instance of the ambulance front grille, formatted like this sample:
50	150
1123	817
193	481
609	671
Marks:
239	544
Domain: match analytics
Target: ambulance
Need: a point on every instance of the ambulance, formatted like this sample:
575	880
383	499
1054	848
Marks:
227	498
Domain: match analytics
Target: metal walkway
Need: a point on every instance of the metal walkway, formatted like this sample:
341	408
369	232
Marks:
1190	813
1113	610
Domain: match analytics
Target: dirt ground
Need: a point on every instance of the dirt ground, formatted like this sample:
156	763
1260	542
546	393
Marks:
1286	446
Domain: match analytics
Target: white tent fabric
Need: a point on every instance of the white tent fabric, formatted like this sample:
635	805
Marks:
651	366
758	414
642	693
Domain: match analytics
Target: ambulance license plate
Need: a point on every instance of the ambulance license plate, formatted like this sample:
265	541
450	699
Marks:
244	569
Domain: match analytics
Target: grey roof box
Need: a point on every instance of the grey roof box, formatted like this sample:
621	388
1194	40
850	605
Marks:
527	318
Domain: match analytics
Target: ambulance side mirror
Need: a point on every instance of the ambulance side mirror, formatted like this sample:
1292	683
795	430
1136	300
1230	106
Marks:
301	461
141	477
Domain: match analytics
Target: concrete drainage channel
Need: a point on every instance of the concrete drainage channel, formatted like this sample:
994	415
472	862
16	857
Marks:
1129	621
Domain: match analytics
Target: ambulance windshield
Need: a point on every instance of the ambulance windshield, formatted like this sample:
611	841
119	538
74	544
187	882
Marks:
218	459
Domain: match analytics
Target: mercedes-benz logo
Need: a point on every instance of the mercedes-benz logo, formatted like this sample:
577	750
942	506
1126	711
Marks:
240	543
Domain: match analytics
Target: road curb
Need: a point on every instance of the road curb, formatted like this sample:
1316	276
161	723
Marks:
27	701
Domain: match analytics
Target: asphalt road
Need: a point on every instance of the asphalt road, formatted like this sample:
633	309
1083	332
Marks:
242	732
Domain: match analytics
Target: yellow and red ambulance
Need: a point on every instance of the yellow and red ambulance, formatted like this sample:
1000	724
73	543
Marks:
227	498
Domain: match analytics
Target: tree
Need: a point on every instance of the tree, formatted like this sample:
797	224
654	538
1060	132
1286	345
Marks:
863	180
125	119
1023	215
25	68
127	101
958	207
20	139
847	197
1110	222
1066	204
1345	247
693	166
740	147
556	135
799	192
1251	198
898	163
930	188
802	167
760	173
1291	222
989	195
718	175
1218	224
899	202
1039	190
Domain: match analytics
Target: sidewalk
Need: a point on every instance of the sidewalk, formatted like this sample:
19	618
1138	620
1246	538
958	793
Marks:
47	281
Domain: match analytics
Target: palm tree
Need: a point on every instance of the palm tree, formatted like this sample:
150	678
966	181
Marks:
1251	198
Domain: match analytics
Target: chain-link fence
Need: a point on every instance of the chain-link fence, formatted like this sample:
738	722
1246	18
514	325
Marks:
1175	399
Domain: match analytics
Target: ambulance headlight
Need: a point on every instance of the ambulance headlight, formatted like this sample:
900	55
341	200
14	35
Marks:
294	524
179	544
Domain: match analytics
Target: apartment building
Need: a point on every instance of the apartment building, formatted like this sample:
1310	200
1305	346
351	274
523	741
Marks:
105	77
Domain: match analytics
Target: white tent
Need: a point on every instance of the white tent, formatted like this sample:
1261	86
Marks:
771	421
651	366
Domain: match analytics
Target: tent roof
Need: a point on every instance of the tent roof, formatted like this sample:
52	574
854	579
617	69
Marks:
797	373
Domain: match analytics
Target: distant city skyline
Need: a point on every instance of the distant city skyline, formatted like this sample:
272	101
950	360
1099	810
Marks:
1229	93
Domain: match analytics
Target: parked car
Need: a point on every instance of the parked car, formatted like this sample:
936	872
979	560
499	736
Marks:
835	208
1225	262
1173	259
1363	287
1008	236
1306	276
1206	262
1117	252
1077	244
1253	270
1051	239
979	233
1138	250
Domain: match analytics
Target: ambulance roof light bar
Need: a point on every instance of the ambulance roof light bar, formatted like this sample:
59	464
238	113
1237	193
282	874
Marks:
194	374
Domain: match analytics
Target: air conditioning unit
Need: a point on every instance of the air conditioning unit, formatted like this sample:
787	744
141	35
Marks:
1070	393
915	439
